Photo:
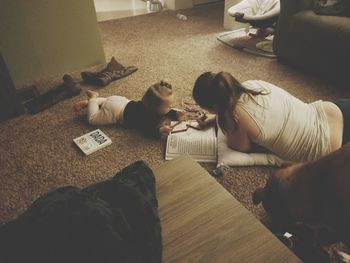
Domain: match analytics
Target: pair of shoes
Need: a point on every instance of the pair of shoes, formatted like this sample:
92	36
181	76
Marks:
113	71
66	90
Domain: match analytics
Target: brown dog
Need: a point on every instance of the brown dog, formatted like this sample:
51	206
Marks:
314	193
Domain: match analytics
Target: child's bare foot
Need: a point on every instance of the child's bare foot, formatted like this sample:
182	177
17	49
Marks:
79	105
92	94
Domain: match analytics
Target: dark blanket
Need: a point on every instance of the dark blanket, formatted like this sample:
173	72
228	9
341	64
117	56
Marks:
112	221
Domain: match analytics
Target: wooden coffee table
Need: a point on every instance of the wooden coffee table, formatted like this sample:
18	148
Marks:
202	222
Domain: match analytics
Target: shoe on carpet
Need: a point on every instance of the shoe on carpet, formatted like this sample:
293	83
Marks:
71	88
66	90
113	71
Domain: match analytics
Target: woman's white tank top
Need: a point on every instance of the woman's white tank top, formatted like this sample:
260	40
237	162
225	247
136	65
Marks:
290	128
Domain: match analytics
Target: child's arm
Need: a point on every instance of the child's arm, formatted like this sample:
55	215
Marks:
165	130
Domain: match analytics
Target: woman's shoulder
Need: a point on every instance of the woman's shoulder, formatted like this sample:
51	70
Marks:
258	85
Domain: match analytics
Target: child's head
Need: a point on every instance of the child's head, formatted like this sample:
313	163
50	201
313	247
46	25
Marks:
159	98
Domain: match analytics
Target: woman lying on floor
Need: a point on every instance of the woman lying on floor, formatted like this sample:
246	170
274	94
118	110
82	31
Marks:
258	113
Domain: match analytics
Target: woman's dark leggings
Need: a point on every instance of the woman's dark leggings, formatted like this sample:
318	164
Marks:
344	106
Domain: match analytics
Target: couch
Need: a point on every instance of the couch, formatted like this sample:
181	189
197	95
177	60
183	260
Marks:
317	43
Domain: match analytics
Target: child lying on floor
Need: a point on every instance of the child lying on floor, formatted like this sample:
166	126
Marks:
145	115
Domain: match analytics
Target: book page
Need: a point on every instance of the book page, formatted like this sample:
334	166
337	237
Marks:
199	144
196	146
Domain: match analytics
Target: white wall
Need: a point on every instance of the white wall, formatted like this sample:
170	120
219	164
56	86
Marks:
229	22
40	38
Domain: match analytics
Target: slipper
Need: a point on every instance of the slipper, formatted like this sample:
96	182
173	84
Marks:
112	72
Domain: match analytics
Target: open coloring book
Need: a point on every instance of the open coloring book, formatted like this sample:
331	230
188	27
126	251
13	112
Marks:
188	139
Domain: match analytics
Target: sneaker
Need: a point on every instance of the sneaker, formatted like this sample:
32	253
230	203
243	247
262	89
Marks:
113	71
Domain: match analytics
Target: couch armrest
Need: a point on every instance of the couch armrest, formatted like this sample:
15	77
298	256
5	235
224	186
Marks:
288	9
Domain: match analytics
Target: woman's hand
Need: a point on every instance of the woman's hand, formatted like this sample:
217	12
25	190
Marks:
165	130
206	120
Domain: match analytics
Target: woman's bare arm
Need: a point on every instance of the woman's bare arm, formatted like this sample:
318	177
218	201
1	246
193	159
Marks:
240	139
207	120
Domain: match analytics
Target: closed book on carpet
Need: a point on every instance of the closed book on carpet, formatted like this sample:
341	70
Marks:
92	141
187	139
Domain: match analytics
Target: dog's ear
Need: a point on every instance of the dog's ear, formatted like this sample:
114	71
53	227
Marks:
258	196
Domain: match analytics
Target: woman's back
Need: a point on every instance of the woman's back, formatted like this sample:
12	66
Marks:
290	128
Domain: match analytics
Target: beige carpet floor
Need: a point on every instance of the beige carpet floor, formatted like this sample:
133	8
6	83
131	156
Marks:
36	151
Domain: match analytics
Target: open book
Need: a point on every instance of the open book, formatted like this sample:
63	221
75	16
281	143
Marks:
92	141
188	139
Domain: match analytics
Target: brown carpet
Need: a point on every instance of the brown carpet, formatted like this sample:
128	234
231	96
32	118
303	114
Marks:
36	151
